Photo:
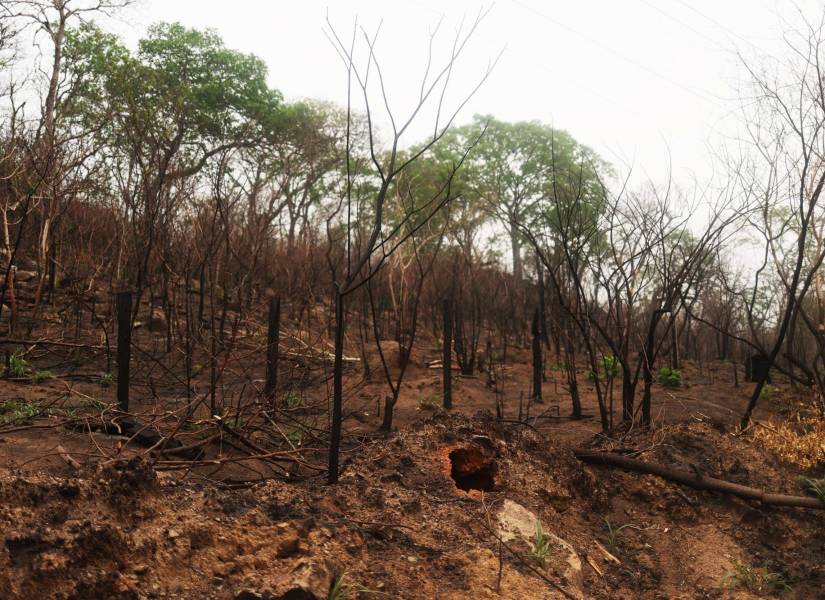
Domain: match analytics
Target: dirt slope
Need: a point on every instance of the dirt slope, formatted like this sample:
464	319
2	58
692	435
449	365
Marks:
398	526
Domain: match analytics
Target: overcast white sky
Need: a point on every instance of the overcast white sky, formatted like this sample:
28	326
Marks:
633	79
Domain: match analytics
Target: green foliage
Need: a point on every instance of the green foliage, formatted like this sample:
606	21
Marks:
106	379
18	366
816	487
671	378
758	580
613	535
526	174
17	409
41	376
767	392
430	403
295	436
542	546
177	100
294	399
343	589
610	365
538	177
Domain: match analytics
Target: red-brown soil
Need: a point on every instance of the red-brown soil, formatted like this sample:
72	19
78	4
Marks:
83	515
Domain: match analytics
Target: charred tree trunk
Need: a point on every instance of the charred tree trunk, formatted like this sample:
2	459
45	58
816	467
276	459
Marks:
647	364
389	410
272	346
542	304
446	362
124	348
536	329
337	390
572	378
628	395
674	347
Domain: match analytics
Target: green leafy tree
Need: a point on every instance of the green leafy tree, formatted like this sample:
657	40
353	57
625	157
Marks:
161	113
524	171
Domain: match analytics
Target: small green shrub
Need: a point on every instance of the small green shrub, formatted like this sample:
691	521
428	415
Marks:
344	589
295	436
671	378
759	580
41	376
294	399
613	534
17	409
767	392
430	403
610	365
18	366
816	487
542	546
106	379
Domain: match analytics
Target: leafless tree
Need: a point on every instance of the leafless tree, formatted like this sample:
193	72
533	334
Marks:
365	255
787	130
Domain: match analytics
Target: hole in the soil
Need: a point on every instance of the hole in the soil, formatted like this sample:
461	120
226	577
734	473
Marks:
471	470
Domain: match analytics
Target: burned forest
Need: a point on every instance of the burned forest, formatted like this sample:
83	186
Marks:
384	336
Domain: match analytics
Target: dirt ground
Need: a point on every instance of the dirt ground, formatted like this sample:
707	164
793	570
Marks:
448	506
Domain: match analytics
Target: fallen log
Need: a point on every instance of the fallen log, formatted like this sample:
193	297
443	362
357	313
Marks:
141	434
696	480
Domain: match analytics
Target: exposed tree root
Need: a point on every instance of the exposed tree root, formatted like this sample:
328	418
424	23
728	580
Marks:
696	480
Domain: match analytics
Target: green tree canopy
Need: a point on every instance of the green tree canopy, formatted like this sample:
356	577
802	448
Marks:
181	97
526	174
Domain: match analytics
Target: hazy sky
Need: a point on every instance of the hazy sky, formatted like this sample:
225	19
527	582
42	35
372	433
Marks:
634	79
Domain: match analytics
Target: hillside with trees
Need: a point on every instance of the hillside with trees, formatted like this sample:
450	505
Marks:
260	347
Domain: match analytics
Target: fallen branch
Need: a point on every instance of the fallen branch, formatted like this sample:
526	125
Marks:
66	458
319	356
50	343
696	480
143	435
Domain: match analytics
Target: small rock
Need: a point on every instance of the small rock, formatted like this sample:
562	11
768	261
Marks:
310	580
223	570
140	569
288	546
124	588
172	534
515	521
483	440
